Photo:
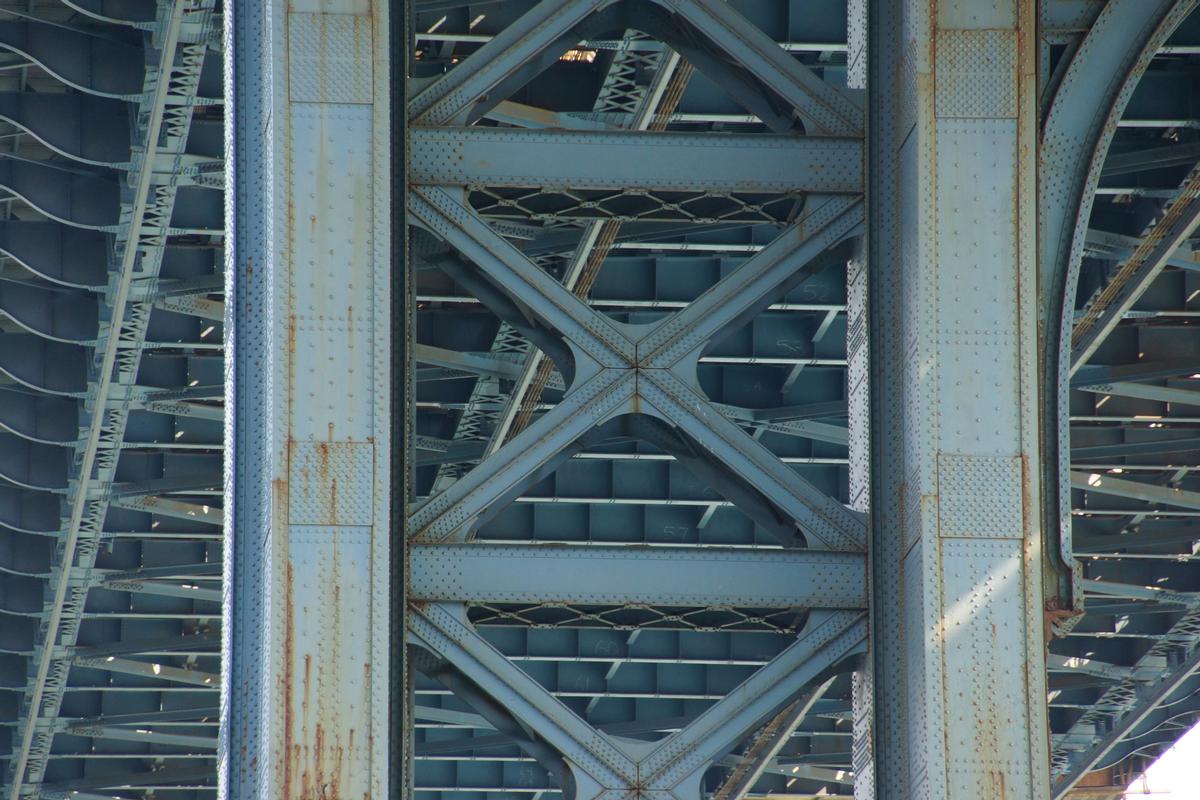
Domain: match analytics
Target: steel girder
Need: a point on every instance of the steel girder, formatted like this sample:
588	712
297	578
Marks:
610	297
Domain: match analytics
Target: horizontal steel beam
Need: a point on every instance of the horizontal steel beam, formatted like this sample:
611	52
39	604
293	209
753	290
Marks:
658	576
166	672
1162	446
1141	391
1094	374
1134	490
634	160
144	736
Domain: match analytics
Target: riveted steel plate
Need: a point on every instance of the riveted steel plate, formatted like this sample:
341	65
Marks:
331	483
331	6
329	58
327	639
976	73
980	496
654	576
856	40
983	615
977	322
976	14
332	330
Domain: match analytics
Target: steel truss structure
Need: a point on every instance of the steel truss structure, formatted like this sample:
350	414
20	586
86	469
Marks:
110	395
597	470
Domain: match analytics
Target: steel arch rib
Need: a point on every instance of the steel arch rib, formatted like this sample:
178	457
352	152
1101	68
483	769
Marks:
1077	132
1076	135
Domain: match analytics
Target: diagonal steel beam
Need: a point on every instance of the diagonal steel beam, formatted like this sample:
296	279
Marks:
1142	391
1149	698
466	92
166	672
824	521
651	104
146	213
1094	374
766	746
443	629
684	756
526	458
622	89
462	229
1179	220
1135	490
755	284
144	736
824	108
1117	246
485	364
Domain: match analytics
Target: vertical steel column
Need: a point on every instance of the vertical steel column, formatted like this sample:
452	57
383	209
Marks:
305	709
956	673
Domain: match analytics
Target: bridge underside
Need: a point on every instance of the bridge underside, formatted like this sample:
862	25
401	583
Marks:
552	467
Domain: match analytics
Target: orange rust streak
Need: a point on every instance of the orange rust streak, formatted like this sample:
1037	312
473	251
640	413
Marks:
291	752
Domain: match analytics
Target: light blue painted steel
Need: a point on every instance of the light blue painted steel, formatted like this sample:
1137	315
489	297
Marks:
662	576
1120	718
824	107
611	392
620	370
559	505
603	766
1160	241
951	702
632	161
305	705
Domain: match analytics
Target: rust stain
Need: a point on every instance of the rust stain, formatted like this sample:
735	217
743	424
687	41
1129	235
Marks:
291	749
279	498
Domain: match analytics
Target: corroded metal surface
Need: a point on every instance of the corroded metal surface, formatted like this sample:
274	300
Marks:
307	709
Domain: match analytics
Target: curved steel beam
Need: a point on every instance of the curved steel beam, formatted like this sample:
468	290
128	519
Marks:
41	467
65	317
135	13
49	420
1076	134
44	366
75	257
29	512
93	65
94	130
74	198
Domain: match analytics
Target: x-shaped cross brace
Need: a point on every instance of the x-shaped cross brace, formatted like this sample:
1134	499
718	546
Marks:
605	767
636	369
